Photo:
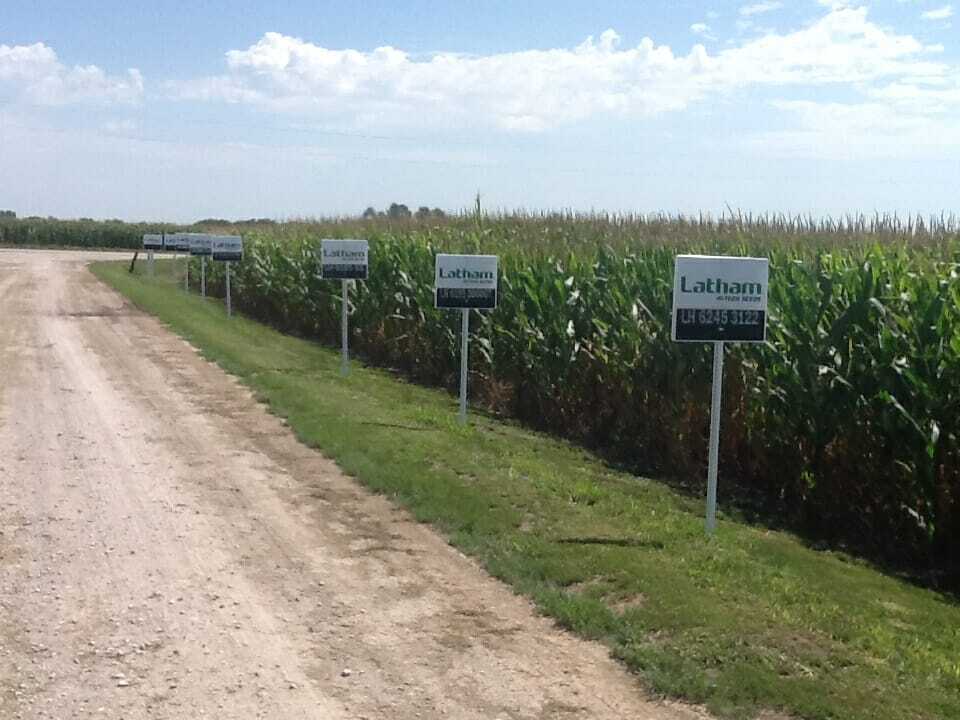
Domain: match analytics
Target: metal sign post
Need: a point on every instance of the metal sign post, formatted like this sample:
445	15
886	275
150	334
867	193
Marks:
344	334
718	300
226	249
464	361
347	260
152	268
714	452
200	246
178	242
229	305
151	242
465	282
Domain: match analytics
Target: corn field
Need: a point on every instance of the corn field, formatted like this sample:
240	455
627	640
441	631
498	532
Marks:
844	425
44	232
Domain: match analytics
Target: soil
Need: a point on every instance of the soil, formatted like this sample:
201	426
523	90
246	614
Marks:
169	550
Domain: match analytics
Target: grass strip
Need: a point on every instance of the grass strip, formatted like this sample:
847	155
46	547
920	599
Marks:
752	620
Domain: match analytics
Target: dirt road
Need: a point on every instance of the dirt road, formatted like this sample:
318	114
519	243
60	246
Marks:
168	550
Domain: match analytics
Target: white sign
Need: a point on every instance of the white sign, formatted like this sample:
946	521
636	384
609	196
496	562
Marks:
226	247
720	299
153	242
344	259
178	242
201	244
466	281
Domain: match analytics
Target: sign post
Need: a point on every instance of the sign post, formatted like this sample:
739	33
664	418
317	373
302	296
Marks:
178	242
465	282
170	243
201	246
718	300
713	455
228	249
185	247
344	260
152	242
464	356
344	333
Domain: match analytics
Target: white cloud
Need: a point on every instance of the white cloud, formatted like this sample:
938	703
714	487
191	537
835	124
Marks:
225	88
36	75
844	47
843	4
534	90
120	127
920	99
528	90
943	13
703	30
760	8
875	130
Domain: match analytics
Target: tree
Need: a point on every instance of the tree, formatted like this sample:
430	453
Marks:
398	211
369	213
423	212
8	214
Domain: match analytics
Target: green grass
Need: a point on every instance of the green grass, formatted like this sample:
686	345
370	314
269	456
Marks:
750	620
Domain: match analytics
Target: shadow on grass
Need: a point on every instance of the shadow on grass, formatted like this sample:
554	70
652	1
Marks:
617	542
396	426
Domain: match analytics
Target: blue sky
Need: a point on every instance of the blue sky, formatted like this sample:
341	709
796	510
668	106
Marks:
182	110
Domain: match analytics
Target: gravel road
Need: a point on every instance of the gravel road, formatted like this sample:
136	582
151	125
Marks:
169	550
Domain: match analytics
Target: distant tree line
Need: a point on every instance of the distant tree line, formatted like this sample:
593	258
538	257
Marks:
399	211
224	221
8	215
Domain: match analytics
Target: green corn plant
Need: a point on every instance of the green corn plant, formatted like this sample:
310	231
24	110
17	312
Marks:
842	424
